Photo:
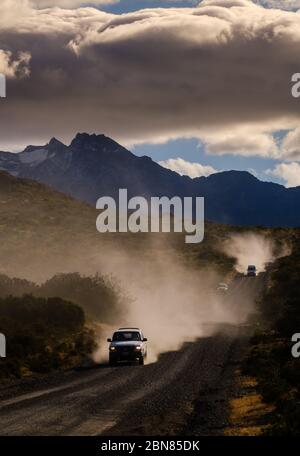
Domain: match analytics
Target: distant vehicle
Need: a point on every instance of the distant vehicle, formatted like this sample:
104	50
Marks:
127	345
222	287
251	271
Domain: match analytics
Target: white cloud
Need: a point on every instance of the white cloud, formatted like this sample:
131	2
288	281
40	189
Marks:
288	172
241	142
290	147
186	168
225	3
12	12
18	67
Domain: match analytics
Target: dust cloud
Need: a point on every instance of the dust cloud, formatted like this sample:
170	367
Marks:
171	302
253	249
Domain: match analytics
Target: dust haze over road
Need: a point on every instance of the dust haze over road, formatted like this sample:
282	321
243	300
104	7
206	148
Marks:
172	302
252	248
183	392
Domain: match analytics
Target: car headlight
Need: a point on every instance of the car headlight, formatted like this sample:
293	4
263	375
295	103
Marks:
138	348
112	348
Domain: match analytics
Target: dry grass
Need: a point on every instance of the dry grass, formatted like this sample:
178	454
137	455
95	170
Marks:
248	412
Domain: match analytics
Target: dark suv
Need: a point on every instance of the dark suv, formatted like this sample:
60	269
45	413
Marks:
127	345
251	271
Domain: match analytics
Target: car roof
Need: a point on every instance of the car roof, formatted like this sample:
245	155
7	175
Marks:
129	329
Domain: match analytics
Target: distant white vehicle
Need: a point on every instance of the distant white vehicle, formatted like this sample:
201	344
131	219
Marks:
222	287
251	271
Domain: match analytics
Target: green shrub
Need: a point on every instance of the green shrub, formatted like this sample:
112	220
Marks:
42	334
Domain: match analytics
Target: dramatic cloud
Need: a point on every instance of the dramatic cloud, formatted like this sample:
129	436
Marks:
219	72
187	168
288	172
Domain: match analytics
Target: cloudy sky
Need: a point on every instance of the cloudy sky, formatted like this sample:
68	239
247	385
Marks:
199	87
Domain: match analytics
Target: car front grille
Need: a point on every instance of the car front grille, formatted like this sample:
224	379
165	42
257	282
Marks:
125	349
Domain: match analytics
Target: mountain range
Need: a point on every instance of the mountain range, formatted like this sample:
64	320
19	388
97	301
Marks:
95	165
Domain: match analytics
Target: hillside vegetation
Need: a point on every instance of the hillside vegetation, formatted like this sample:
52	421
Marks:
50	326
270	359
43	334
44	232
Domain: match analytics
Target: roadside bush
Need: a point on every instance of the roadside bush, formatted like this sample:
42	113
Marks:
43	334
99	296
270	359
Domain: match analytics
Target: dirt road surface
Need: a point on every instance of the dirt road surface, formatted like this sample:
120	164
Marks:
185	392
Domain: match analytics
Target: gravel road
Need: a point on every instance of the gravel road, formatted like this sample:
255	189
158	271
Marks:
184	392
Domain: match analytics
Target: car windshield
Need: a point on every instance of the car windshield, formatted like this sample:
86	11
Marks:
124	336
